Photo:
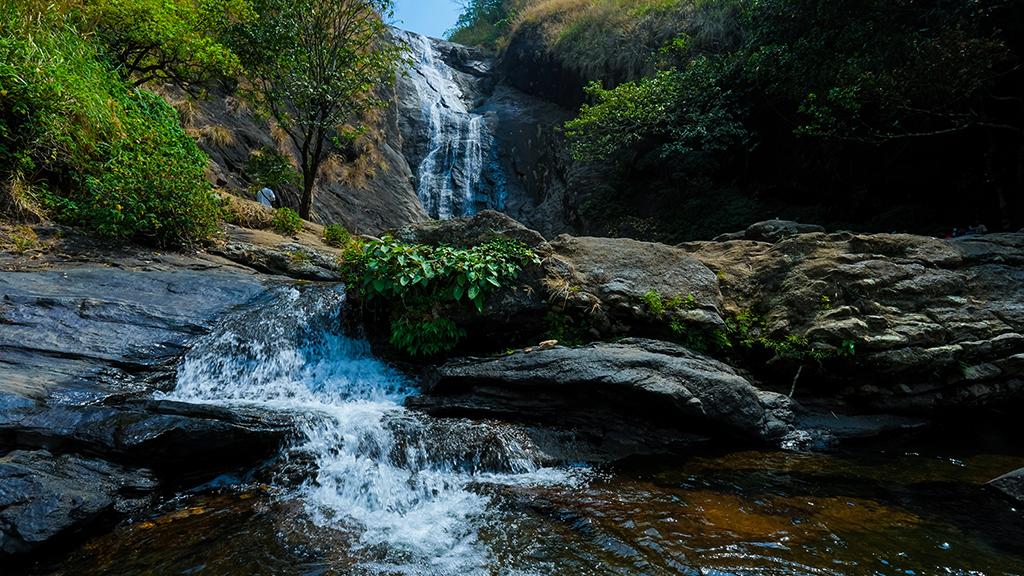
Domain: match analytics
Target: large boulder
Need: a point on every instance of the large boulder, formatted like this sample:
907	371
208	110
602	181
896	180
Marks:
469	231
610	278
43	496
935	324
771	231
620	387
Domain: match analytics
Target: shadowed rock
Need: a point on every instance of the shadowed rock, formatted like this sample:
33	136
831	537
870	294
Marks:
43	496
612	387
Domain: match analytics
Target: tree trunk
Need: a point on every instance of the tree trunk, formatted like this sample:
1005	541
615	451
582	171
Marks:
306	205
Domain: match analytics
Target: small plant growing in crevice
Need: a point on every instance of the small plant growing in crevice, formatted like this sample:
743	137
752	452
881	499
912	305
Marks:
299	257
747	331
658	306
744	332
336	235
566	329
286	222
421	286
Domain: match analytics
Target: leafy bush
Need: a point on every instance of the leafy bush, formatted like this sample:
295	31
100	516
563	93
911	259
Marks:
175	41
425	336
482	22
99	153
421	285
680	113
336	235
268	167
286	221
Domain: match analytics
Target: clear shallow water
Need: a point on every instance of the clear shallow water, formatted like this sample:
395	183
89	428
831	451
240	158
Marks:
382	490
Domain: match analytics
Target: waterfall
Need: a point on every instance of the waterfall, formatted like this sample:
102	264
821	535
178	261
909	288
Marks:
406	483
459	170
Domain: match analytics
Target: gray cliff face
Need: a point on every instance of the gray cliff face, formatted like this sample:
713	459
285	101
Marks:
448	142
381	196
475	142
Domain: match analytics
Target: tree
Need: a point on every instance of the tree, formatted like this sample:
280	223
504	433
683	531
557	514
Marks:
684	114
317	66
177	41
481	22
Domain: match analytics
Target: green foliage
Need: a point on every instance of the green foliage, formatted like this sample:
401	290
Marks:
659	307
482	22
423	284
426	336
748	332
177	41
654	302
101	154
336	235
567	330
745	332
872	69
286	222
678	113
269	167
317	65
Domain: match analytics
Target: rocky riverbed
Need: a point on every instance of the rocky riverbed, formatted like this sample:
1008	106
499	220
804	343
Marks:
92	340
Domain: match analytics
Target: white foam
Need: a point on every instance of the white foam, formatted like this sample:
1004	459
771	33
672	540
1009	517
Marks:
403	481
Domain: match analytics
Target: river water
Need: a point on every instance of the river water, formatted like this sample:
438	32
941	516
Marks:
368	487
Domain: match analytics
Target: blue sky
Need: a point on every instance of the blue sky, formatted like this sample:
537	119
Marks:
430	17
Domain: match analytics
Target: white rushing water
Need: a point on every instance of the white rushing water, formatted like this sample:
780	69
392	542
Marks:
451	175
403	481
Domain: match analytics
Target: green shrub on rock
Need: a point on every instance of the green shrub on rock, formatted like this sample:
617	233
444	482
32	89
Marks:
421	286
96	152
336	235
286	222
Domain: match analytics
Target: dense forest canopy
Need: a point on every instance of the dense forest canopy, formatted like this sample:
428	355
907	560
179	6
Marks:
903	114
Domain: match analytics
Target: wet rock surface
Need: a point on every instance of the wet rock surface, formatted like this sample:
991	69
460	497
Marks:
1010	485
44	496
83	348
611	386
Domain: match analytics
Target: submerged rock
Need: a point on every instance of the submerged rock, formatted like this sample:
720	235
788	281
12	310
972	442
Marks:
43	496
619	387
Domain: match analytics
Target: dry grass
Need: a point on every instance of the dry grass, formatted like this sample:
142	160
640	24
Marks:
18	239
217	135
281	140
237	106
245	213
618	40
17	201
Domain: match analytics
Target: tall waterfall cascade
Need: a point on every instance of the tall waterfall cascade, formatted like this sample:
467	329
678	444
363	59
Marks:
409	485
452	145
